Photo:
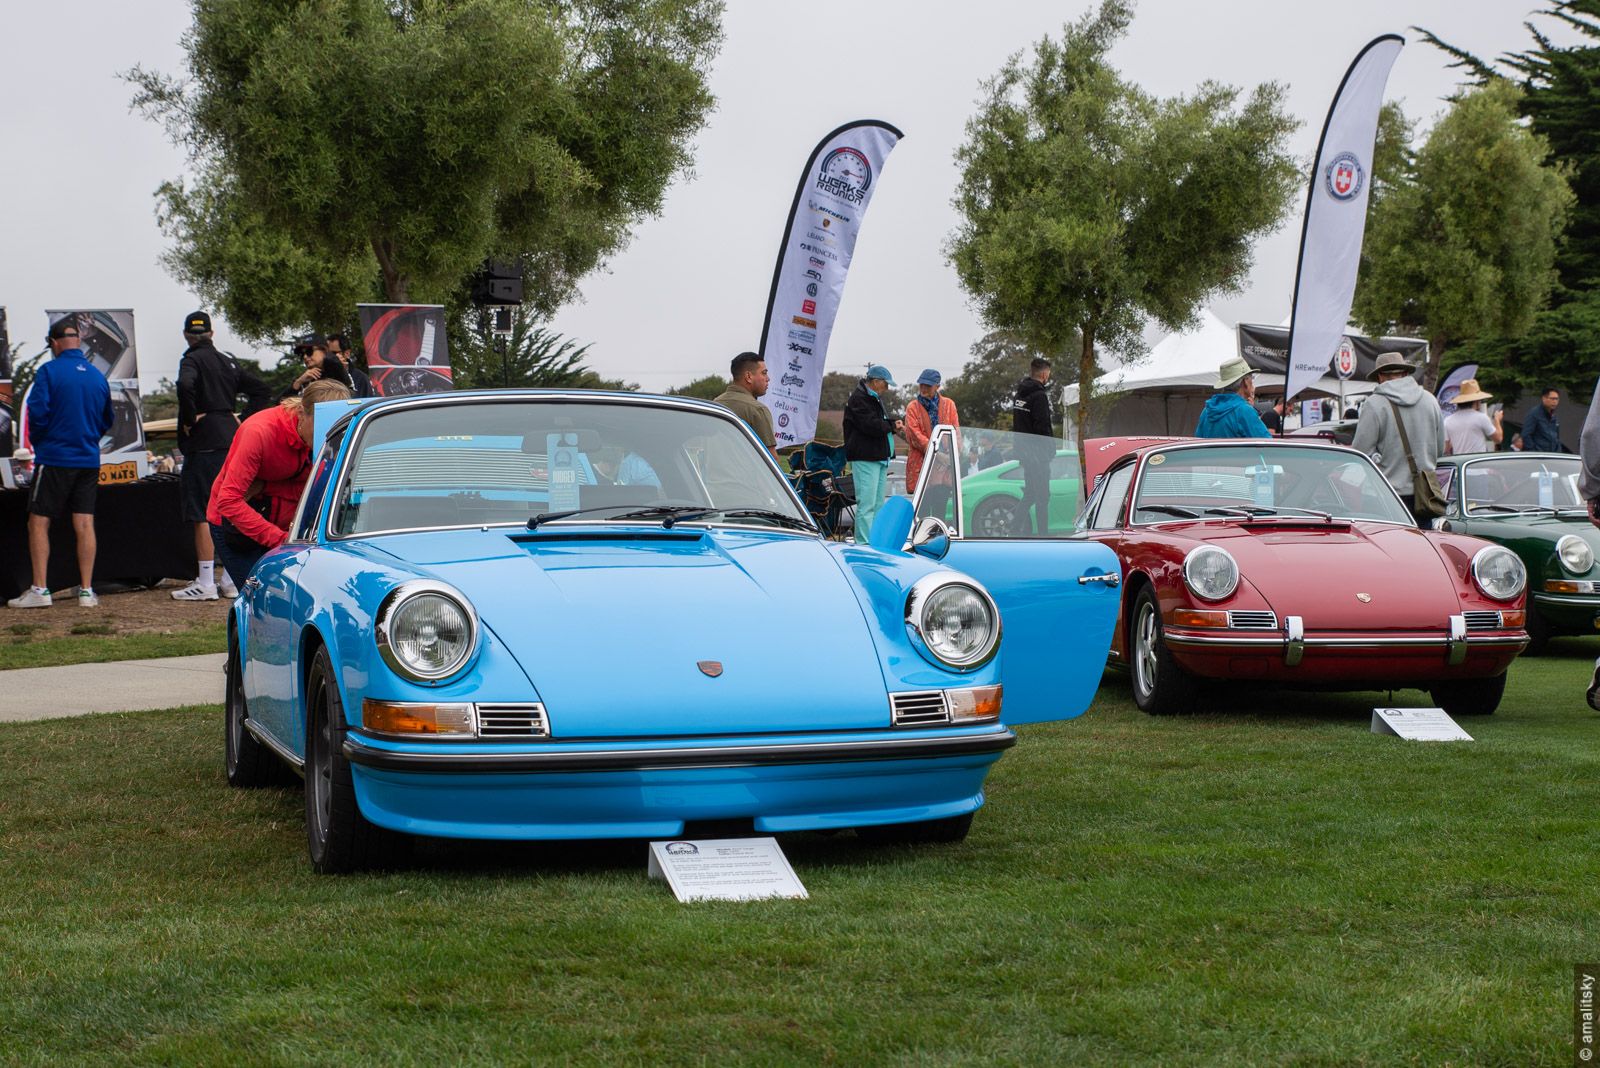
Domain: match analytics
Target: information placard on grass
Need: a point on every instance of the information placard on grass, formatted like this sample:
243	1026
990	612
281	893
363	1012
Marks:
1418	725
729	869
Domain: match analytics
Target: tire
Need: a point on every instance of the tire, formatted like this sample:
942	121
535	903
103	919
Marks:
1160	686
997	516
247	762
1539	633
1469	697
949	829
339	838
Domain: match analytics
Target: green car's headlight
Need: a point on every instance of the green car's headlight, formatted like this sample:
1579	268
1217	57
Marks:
426	631
1575	554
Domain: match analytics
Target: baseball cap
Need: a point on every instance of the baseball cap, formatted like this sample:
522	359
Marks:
59	328
878	370
930	377
197	322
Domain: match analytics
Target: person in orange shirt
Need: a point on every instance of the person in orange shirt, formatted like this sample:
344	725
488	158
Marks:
928	410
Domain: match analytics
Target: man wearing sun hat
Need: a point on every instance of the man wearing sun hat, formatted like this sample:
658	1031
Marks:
1468	429
869	444
1230	412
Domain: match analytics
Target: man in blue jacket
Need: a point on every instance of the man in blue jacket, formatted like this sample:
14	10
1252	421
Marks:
1230	412
69	408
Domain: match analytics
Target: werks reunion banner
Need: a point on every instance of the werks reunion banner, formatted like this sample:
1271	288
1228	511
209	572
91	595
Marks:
1336	215
818	242
405	348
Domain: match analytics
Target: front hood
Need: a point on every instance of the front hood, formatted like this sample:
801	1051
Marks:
1316	574
610	625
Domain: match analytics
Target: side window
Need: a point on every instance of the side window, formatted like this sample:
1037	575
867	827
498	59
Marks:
305	519
1115	493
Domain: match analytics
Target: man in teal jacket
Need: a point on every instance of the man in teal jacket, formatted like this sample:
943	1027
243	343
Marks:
1229	413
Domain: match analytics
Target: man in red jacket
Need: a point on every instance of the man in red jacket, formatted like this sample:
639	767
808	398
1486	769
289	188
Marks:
255	495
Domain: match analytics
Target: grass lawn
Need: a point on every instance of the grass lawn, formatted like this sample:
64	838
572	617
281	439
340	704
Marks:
95	643
1270	884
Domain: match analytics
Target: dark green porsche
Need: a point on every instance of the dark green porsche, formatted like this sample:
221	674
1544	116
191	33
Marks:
1528	502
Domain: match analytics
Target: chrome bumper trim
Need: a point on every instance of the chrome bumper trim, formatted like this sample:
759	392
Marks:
357	751
1294	640
1576	600
1438	641
1455	647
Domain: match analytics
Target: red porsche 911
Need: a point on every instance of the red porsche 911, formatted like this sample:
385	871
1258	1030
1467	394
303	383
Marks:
1297	565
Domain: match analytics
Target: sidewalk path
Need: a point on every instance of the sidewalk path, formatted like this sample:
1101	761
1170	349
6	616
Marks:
119	686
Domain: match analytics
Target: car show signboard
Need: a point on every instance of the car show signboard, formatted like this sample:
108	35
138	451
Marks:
725	869
1418	725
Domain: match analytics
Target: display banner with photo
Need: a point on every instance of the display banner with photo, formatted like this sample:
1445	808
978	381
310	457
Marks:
406	348
1450	388
1266	348
1336	215
818	242
106	337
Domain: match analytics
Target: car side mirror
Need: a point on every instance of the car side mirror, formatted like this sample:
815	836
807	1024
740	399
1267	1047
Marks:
930	538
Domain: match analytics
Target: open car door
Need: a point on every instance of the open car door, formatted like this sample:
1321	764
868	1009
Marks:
1058	593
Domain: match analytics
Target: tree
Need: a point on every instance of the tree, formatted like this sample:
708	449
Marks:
532	357
836	389
1562	346
344	149
1089	207
1462	243
161	402
707	387
986	384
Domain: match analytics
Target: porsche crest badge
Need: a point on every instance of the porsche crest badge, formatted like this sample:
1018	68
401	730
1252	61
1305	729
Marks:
1364	598
709	668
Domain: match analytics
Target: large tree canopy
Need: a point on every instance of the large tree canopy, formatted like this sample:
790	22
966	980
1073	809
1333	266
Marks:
345	149
1089	207
1461	241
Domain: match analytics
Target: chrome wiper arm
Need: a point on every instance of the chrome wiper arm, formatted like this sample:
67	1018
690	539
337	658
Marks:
546	517
766	513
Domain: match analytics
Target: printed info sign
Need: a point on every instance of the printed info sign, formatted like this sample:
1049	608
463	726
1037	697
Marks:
818	244
729	869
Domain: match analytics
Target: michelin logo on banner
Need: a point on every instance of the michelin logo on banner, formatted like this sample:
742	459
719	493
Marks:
818	243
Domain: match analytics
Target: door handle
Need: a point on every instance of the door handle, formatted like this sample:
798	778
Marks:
1110	578
252	583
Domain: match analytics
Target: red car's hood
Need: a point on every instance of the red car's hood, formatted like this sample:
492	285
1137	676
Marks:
1316	574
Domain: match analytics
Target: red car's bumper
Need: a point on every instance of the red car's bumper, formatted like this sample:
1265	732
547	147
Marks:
1346	659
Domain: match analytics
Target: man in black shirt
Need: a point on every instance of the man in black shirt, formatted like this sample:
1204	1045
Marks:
209	384
360	384
1035	443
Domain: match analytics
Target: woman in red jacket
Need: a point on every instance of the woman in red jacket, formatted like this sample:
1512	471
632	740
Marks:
254	497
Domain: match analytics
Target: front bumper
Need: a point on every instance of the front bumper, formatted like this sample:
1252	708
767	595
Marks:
1577	612
1398	657
631	790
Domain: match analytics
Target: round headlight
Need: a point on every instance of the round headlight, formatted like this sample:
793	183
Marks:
1498	572
957	620
426	631
1575	554
1211	573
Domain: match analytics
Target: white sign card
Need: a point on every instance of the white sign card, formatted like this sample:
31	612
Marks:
1418	725
725	869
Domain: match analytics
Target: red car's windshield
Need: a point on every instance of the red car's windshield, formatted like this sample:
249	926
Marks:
1265	479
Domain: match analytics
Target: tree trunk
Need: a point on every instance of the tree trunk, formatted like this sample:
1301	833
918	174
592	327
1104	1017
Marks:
1430	370
1086	377
395	283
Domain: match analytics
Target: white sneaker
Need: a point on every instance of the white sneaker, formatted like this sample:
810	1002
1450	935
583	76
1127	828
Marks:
195	592
87	599
228	590
31	598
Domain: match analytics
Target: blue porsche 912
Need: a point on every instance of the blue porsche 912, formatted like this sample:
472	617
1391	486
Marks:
541	615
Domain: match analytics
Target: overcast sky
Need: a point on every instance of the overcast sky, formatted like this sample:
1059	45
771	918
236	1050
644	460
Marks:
77	227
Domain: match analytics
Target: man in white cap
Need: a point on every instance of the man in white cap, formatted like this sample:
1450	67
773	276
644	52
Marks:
1230	412
1468	429
1398	397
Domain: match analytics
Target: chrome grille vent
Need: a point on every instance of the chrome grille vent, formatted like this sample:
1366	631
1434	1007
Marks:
512	721
1253	620
921	709
1483	620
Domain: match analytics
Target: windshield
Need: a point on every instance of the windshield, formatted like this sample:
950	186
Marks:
1240	480
488	463
1514	484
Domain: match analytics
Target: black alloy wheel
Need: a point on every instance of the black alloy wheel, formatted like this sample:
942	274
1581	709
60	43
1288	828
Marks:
997	516
339	838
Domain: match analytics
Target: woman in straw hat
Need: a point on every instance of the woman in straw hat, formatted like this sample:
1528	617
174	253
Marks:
1468	429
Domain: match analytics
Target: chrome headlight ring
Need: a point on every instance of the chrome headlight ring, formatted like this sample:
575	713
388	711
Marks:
1575	554
1498	573
929	592
391	645
1211	573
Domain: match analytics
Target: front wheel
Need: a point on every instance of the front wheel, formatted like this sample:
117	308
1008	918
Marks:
949	829
1160	686
340	839
1469	697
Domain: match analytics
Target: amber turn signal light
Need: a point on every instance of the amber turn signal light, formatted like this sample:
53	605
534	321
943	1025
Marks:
974	704
1513	619
397	717
1197	617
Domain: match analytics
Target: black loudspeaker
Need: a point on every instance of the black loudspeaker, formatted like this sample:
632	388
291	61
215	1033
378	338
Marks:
497	282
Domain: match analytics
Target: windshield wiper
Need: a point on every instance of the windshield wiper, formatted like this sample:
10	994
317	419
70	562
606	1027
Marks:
1247	512
1171	509
546	517
1326	517
677	513
767	513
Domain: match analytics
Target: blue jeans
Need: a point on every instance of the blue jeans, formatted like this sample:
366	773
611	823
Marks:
871	478
237	552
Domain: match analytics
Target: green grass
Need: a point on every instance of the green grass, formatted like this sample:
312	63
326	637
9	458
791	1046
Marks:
94	643
1251	886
